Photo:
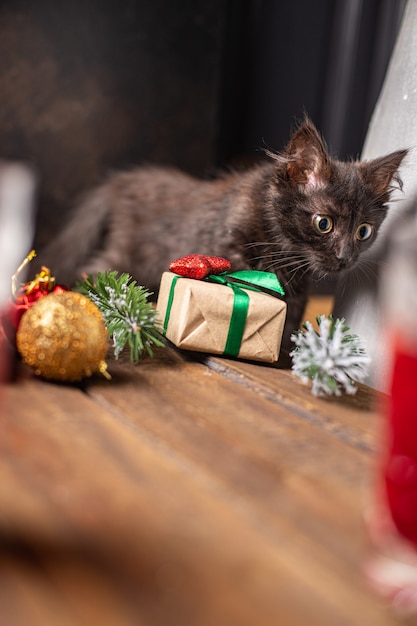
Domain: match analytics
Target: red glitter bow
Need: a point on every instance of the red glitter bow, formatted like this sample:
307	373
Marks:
199	266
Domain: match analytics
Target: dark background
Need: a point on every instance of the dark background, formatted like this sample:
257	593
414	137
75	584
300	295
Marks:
88	86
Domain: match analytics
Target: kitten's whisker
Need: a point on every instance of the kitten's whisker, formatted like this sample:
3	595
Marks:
287	263
272	246
291	266
294	271
252	244
369	268
280	262
280	254
305	271
369	273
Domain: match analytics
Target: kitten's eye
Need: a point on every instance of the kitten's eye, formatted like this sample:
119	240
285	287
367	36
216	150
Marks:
323	224
363	231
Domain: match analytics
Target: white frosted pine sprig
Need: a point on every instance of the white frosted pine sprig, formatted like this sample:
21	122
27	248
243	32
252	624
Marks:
331	357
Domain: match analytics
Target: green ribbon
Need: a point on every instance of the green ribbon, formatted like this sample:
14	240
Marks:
254	280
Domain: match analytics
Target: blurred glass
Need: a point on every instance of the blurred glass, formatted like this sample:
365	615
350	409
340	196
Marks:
17	187
392	511
400	306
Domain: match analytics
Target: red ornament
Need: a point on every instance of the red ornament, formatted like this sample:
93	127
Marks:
23	301
199	266
26	295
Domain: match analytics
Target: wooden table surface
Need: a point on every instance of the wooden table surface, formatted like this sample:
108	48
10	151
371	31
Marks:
187	491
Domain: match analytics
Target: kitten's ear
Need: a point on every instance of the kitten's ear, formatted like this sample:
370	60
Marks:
381	173
308	162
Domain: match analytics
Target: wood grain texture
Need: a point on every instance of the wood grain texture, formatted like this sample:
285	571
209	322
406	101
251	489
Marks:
187	490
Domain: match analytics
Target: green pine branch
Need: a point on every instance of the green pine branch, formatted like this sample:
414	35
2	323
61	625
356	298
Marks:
129	317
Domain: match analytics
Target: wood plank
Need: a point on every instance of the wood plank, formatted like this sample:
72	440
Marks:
353	419
24	595
280	487
225	424
127	512
46	584
182	497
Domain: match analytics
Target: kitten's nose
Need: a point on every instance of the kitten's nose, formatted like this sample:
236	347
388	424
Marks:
344	260
344	256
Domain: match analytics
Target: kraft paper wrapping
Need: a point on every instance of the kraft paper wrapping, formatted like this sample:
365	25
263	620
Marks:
200	318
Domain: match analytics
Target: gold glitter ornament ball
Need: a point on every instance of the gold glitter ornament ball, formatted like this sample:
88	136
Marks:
63	337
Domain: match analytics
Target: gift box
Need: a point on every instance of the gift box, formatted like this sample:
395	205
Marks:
221	316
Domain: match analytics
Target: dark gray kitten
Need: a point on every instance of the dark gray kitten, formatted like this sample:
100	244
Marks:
302	215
